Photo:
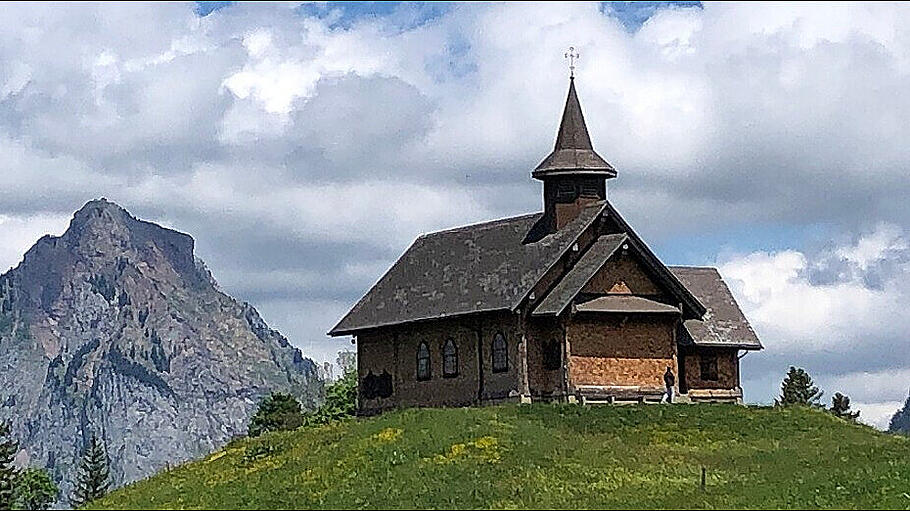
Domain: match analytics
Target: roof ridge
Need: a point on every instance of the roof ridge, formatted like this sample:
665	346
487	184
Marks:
489	223
690	267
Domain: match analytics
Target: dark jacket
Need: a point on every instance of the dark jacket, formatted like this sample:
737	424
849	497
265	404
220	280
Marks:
669	379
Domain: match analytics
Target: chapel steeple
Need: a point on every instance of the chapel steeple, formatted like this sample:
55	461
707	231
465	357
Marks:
573	175
574	154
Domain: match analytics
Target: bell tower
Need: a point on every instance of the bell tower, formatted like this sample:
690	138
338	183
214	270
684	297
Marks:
573	175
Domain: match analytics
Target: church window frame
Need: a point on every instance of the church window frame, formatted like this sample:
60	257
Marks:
424	364
707	365
449	358
500	353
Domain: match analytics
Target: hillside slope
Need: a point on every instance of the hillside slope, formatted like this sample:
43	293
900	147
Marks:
549	456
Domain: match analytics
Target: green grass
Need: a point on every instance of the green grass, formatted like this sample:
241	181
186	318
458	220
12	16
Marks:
549	456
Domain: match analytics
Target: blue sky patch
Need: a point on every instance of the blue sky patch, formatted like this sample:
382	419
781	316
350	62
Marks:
634	14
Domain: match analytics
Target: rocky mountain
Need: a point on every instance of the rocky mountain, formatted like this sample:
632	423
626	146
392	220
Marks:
115	328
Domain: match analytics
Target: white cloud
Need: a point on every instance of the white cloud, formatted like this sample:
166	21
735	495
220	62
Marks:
847	332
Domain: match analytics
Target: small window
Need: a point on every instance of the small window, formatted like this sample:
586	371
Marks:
552	355
565	191
377	386
500	354
708	364
590	189
423	362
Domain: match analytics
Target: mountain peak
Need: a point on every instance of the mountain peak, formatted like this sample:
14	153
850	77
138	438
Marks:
98	210
115	328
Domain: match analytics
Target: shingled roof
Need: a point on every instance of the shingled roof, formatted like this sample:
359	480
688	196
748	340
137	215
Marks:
573	153
723	324
478	268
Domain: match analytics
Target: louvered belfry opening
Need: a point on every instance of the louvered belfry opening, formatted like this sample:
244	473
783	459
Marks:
573	175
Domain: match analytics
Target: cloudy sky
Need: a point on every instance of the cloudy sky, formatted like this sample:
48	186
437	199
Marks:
305	146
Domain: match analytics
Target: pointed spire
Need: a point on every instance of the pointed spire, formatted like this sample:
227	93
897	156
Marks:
573	133
574	153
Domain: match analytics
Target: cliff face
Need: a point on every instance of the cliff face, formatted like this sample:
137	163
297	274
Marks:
114	328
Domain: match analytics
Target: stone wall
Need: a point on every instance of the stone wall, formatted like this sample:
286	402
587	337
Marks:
621	350
727	369
394	350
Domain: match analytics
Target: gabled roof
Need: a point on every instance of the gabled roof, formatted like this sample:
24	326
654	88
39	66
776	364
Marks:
692	307
484	267
574	153
572	283
723	324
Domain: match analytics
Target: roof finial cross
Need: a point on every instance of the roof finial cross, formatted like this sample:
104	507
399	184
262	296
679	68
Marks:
572	55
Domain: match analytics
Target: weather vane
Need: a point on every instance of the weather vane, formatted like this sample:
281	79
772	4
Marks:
572	55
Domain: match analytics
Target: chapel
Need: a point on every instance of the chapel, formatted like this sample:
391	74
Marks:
565	304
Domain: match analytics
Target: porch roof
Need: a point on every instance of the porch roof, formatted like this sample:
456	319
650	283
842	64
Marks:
626	304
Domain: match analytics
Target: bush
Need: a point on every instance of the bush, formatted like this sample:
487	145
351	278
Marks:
340	401
277	412
35	489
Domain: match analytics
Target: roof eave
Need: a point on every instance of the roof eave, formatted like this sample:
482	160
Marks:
335	332
605	172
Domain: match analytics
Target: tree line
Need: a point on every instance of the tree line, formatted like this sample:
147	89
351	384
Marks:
34	488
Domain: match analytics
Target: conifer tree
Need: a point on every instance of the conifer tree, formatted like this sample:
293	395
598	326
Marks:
8	473
900	421
840	406
92	481
798	389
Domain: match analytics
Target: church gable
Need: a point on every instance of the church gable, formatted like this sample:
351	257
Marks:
623	274
612	265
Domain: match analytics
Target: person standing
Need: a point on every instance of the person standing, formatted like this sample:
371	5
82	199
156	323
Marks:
669	382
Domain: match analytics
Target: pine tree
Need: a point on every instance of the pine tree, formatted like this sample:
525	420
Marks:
8	473
92	481
798	389
840	406
900	421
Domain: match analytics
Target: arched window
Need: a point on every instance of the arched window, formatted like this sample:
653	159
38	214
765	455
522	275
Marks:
500	353
449	359
423	362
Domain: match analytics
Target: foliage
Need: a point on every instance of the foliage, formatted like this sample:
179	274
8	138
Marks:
277	412
340	401
548	456
8	473
35	489
798	389
840	406
93	479
900	421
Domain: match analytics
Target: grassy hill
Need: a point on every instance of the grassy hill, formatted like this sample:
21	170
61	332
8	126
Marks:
548	456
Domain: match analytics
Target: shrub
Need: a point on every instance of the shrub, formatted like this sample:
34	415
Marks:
277	412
